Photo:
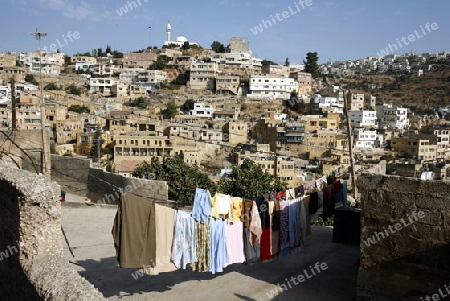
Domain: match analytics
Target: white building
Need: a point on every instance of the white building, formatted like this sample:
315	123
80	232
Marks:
329	104
101	85
272	87
392	117
5	94
362	118
49	63
202	110
365	138
237	60
179	41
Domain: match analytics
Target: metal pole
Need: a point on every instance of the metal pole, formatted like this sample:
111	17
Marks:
350	145
45	164
150	37
13	105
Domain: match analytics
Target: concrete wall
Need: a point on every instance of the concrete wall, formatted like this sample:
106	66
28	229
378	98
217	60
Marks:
102	187
76	175
31	264
408	221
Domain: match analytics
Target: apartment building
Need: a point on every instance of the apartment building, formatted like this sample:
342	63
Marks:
203	75
238	61
49	63
141	147
101	86
313	123
202	110
272	87
419	146
150	77
443	142
370	103
139	60
392	117
7	60
236	132
328	104
66	131
282	167
273	69
83	59
362	118
86	141
228	84
228	110
356	101
365	138
304	81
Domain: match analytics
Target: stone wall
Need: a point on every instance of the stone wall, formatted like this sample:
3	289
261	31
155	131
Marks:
102	187
31	263
76	175
405	238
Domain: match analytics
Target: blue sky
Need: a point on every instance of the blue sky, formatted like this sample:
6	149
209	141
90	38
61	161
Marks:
337	30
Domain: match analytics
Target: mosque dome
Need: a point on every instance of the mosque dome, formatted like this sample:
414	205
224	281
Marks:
181	39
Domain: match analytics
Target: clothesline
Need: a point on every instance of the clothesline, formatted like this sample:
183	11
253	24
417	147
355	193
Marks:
221	229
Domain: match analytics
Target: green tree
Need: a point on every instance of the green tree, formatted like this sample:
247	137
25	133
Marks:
78	109
286	62
108	49
188	105
249	180
182	78
311	65
218	47
182	178
186	46
160	63
141	102
73	89
29	78
171	110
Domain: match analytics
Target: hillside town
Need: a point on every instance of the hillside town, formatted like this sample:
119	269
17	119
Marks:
216	107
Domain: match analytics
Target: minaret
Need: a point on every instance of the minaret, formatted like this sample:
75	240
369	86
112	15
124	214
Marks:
168	30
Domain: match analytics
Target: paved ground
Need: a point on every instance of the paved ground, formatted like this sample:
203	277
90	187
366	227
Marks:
88	229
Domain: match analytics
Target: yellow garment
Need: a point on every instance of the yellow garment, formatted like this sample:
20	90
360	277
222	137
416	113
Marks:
271	207
236	209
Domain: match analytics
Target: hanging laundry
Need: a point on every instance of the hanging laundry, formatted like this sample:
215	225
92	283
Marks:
202	207
164	225
344	193
294	221
281	195
184	241
134	232
247	208
299	190
234	235
290	194
309	187
218	251
275	239
203	247
255	225
328	203
237	207
221	205
305	221
313	203
284	224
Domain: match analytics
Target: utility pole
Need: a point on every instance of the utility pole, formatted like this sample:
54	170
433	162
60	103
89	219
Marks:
13	104
150	37
45	156
350	144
